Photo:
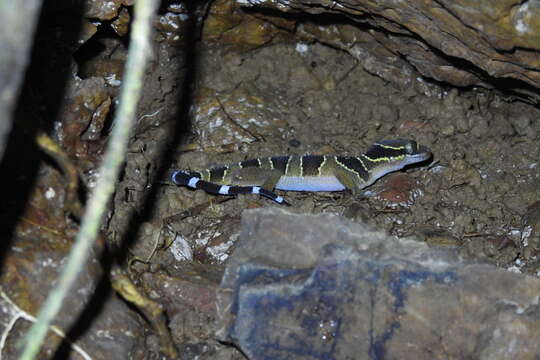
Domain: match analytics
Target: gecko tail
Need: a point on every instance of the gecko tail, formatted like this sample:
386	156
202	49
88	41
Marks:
193	180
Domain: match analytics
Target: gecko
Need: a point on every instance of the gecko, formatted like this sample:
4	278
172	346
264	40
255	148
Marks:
305	172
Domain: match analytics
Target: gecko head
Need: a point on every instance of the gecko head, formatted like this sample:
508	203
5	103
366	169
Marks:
387	156
415	153
397	153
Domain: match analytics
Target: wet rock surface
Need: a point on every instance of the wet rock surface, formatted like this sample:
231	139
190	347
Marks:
102	325
320	287
466	43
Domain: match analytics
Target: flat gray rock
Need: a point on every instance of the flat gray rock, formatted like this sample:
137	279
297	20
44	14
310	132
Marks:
321	287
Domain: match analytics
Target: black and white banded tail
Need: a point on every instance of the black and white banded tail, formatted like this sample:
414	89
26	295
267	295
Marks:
194	180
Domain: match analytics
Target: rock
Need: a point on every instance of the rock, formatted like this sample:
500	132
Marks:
189	298
397	189
96	321
321	287
84	115
237	117
435	236
531	230
121	24
190	303
102	9
463	43
226	23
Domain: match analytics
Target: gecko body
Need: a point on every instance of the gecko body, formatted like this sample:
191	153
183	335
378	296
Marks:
305	172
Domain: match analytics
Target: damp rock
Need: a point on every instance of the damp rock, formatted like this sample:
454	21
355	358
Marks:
108	62
384	112
498	250
480	126
448	130
121	24
88	29
521	124
531	230
397	189
227	23
302	286
403	41
102	9
237	117
435	236
147	241
501	126
301	77
189	299
83	116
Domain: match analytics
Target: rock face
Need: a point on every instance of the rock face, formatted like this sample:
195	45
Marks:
86	327
462	43
320	287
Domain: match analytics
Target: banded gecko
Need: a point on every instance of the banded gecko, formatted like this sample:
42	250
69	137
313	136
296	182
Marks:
305	172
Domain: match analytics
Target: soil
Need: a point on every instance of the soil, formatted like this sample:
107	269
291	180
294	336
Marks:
295	98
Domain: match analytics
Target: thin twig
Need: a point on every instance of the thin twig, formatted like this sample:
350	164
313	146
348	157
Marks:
68	169
18	313
116	148
254	135
153	311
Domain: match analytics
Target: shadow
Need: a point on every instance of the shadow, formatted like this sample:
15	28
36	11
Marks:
91	311
511	89
180	125
37	107
179	128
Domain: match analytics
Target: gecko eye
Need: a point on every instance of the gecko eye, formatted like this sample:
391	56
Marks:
410	147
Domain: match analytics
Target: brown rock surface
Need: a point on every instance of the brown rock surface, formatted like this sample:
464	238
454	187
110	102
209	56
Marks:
463	43
320	287
103	10
87	326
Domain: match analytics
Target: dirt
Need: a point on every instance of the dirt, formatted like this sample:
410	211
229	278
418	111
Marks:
295	98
